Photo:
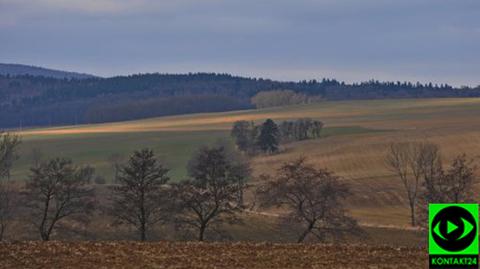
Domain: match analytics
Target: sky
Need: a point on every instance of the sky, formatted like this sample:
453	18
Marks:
350	40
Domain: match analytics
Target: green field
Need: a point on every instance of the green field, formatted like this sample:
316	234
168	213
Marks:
173	148
353	143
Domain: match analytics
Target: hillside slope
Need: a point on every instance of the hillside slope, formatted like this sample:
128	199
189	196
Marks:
353	145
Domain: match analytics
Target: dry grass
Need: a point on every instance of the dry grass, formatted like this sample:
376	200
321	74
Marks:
378	196
392	114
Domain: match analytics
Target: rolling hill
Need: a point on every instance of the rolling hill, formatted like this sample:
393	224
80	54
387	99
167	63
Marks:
354	141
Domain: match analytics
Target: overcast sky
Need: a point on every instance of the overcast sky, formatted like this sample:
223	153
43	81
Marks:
351	40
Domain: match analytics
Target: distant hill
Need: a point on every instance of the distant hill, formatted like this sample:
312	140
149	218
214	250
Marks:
30	100
20	69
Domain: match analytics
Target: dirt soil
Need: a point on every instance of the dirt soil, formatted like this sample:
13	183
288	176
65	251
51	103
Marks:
92	255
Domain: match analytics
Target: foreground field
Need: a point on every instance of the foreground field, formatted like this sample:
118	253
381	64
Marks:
205	255
353	144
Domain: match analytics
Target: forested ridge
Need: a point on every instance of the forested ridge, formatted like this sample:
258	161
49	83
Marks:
27	100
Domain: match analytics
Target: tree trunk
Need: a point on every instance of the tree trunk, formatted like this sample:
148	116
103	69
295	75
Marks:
45	236
413	220
43	233
201	232
2	231
305	233
143	218
143	236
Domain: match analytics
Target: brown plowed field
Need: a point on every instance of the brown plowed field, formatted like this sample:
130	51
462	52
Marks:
205	255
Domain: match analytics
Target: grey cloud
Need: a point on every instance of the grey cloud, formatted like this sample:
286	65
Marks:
353	40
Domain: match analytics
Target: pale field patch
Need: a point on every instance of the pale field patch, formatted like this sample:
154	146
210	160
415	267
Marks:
371	113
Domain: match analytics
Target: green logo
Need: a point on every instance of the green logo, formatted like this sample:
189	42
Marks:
453	229
453	236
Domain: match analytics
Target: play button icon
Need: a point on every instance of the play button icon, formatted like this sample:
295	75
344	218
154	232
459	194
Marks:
451	227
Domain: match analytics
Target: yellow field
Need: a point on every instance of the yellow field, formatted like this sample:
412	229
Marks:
358	157
392	114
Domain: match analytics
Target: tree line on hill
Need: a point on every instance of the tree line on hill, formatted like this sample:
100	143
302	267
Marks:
266	137
40	101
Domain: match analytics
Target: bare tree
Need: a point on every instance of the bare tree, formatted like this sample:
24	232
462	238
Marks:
430	163
410	161
210	197
57	193
313	197
459	180
140	198
433	174
454	185
8	154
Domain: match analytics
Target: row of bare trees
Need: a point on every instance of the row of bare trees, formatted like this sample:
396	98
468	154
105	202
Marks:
265	99
312	198
58	195
211	196
300	129
419	167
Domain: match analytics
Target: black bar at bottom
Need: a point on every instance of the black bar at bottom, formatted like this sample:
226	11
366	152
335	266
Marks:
453	261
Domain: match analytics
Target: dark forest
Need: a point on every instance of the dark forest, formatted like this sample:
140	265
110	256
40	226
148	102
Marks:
41	101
